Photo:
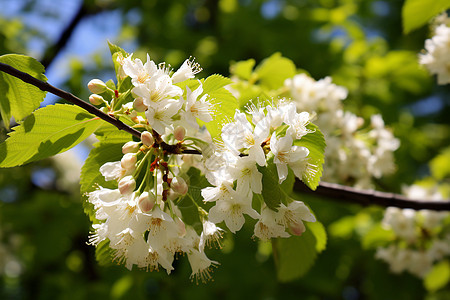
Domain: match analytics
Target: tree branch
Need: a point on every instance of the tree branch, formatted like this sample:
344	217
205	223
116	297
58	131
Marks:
52	52
329	190
44	86
370	197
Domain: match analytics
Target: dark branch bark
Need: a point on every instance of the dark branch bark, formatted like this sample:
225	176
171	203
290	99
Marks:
53	51
44	86
329	190
369	197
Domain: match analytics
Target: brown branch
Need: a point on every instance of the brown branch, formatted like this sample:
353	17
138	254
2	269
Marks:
370	197
329	190
44	86
53	51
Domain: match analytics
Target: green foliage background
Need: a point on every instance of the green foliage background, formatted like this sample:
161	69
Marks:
361	44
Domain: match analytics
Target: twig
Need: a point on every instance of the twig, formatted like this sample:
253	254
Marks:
44	86
370	197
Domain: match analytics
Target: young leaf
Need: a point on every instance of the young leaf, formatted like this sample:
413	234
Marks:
224	103
315	142
274	193
243	69
274	70
20	99
48	131
416	13
296	255
438	277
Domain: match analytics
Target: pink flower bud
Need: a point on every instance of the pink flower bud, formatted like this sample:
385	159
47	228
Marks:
147	138
130	147
146	201
96	86
127	185
179	133
296	228
96	99
128	161
139	105
179	186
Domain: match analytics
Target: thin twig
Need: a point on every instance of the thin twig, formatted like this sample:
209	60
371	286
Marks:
370	197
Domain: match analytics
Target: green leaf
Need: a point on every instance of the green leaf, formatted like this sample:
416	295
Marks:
438	277
315	142
274	70
274	193
377	237
103	254
116	49
109	149
196	182
296	254
440	165
319	232
416	13
20	99
48	131
243	69
224	102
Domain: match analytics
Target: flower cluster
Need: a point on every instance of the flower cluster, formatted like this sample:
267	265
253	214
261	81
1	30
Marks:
437	56
247	143
354	155
421	238
140	218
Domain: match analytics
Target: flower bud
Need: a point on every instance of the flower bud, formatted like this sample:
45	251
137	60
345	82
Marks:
147	138
140	120
139	105
179	186
96	99
128	161
96	86
179	133
296	228
146	201
127	185
130	147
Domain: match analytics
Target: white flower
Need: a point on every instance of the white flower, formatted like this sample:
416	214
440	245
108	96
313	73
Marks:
211	234
139	73
200	265
437	58
197	108
232	210
156	91
187	70
286	154
240	135
247	175
293	215
267	227
161	117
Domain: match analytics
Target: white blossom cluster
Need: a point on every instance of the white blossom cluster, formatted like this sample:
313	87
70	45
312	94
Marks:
354	155
233	169
420	236
140	218
437	51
